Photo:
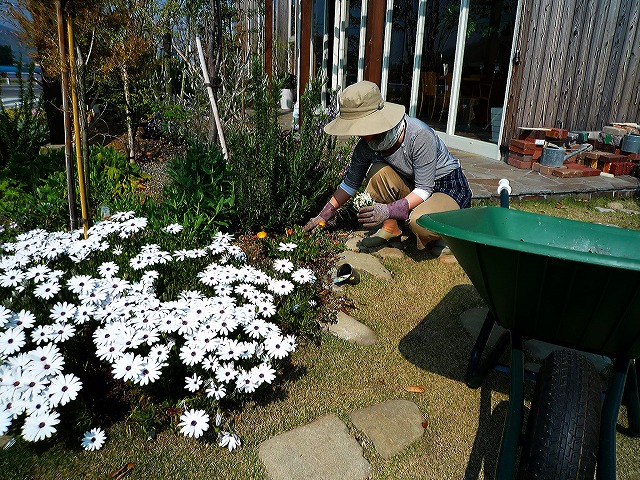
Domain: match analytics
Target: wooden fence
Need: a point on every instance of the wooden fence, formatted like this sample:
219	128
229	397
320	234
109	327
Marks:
579	65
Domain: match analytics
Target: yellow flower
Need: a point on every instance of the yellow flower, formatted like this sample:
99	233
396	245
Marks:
322	223
261	235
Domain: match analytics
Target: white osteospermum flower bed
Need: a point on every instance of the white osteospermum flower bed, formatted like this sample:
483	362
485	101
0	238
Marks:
226	339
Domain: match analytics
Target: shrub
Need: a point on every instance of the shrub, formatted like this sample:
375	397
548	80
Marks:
280	177
199	194
22	132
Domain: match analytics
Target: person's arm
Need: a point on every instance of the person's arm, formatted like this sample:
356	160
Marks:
329	211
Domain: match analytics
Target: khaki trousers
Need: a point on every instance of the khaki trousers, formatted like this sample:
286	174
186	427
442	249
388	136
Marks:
385	185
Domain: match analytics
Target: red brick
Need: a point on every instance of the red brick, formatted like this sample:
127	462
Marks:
567	172
537	153
612	157
621	168
515	162
523	151
604	147
586	171
525	145
544	169
559	133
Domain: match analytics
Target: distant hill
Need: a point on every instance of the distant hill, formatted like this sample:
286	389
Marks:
8	36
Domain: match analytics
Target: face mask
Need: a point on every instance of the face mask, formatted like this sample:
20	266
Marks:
390	138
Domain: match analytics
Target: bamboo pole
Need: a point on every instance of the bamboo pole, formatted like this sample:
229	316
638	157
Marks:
212	99
76	127
64	76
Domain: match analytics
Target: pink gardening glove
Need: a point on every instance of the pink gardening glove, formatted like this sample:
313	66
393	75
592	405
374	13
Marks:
327	213
379	212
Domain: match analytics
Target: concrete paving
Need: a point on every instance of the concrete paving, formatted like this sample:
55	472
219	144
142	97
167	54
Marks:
484	173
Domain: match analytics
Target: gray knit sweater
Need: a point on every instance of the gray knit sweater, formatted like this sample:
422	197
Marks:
421	159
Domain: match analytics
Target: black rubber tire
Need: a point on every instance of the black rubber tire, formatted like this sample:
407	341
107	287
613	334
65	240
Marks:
562	436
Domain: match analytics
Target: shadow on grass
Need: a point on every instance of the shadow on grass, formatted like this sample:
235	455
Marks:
441	345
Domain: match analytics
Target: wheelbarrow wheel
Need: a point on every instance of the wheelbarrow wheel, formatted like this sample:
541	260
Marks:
561	440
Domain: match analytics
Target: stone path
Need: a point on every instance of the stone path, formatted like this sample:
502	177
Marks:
324	448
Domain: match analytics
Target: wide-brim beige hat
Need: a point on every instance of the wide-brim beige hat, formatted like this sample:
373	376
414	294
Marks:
363	112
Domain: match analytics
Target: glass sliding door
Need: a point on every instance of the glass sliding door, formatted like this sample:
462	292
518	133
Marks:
403	32
438	58
485	65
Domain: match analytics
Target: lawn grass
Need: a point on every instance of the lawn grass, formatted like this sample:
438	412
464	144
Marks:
421	341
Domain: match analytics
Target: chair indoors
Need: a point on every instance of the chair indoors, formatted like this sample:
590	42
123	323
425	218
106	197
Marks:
429	81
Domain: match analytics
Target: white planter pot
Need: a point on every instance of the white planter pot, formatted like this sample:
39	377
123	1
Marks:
286	99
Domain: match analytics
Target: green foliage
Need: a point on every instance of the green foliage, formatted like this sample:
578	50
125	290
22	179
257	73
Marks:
199	195
22	131
43	204
281	177
112	176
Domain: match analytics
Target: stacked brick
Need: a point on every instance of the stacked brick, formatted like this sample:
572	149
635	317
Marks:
615	150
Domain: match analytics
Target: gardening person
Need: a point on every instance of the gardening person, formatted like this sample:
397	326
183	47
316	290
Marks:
408	168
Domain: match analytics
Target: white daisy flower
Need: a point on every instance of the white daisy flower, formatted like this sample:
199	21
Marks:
63	389
264	372
117	251
46	290
23	319
246	382
190	354
193	423
39	427
151	371
276	346
303	275
93	439
128	367
122	216
281	287
229	440
5	315
12	278
193	382
173	228
6	417
38	273
62	312
216	391
287	247
61	332
283	265
108	269
11	341
226	372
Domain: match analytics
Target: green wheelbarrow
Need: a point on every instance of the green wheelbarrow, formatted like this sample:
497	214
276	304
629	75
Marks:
570	283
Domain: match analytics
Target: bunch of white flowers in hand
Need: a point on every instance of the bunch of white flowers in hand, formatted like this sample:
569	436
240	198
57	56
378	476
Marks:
362	200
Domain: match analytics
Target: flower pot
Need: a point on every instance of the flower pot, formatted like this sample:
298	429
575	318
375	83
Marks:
286	99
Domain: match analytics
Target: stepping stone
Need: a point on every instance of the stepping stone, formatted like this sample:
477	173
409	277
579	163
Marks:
392	426
322	449
540	350
392	251
348	328
365	262
472	321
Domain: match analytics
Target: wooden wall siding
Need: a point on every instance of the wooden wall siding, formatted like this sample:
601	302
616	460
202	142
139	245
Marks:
580	65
